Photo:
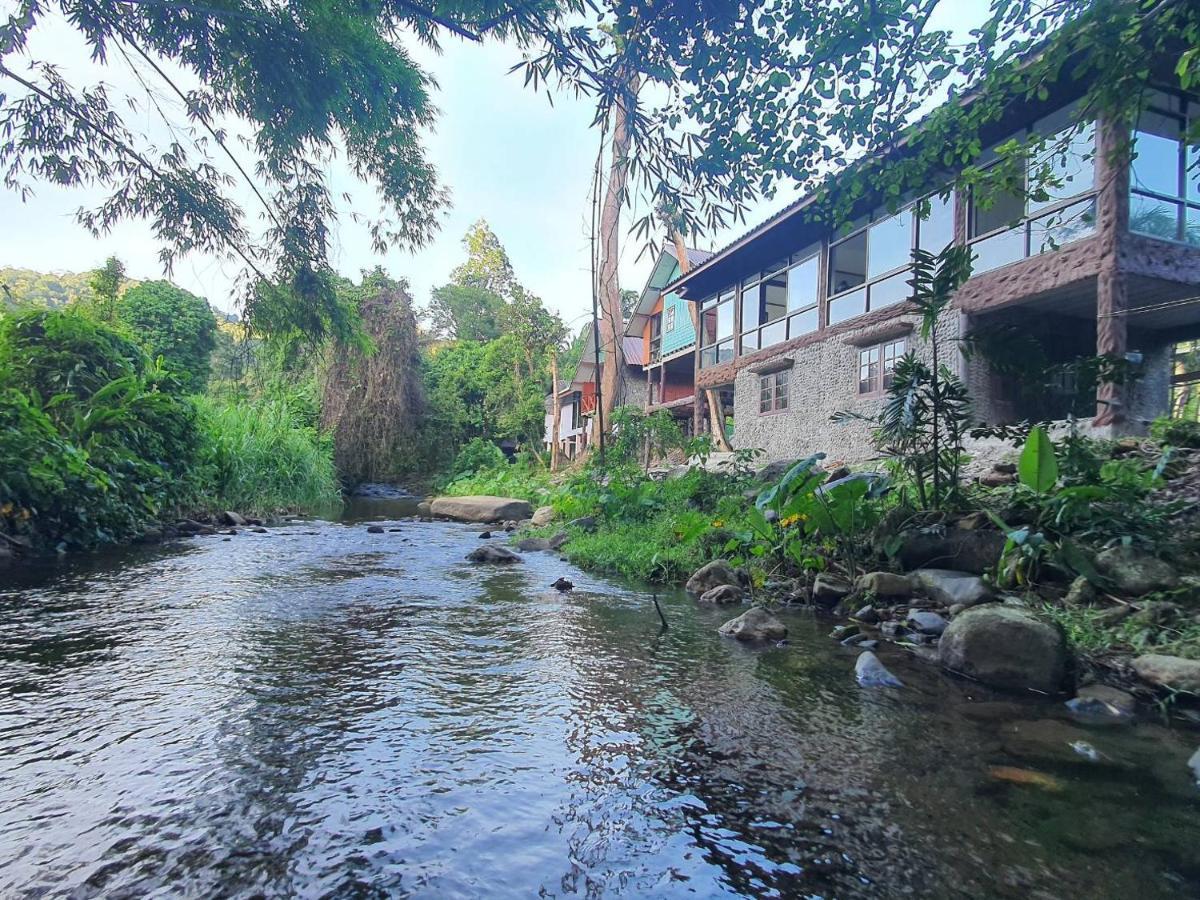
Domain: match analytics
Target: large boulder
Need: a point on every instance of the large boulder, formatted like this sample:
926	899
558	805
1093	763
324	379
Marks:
962	549
493	553
480	509
542	516
1005	647
1136	573
951	588
1172	672
711	575
773	471
755	624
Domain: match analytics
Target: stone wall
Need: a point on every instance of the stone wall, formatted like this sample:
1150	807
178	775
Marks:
823	380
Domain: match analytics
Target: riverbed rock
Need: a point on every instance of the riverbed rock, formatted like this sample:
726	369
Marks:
754	625
563	584
480	509
926	622
1172	672
722	594
711	575
1194	765
1099	704
867	615
828	589
229	517
1080	593
493	554
949	587
965	550
584	523
542	516
424	509
885	584
1136	573
997	479
374	529
533	544
870	672
1005	647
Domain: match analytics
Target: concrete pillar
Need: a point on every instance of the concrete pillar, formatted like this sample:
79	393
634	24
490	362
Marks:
1112	294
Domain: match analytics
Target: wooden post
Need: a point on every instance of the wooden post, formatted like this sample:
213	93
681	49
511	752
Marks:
555	410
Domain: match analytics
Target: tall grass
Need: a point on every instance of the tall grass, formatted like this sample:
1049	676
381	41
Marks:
261	457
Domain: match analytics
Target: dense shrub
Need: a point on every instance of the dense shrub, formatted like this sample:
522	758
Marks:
1176	432
94	438
478	455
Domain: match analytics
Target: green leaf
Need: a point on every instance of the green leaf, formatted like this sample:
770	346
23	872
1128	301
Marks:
1038	466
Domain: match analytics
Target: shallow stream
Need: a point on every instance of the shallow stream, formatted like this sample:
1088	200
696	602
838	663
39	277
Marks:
324	712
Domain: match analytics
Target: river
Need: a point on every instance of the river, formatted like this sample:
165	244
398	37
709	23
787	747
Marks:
324	712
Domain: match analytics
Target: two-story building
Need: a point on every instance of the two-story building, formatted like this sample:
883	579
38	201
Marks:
576	402
800	320
664	323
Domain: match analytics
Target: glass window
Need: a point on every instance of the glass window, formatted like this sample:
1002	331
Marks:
889	244
1062	226
1191	228
751	307
774	297
848	264
1157	144
936	231
1154	217
802	285
708	324
847	306
1067	159
998	250
773	392
877	365
891	290
802	323
773	333
1192	175
724	320
669	319
1002	209
750	341
868	370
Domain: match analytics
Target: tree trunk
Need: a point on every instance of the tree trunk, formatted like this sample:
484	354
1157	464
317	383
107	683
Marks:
716	417
555	411
609	288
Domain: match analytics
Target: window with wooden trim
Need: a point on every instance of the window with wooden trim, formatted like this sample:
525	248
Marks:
669	319
877	365
773	392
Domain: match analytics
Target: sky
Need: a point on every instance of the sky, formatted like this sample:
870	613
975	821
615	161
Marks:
505	153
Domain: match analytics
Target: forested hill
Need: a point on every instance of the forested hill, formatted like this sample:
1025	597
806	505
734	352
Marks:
54	289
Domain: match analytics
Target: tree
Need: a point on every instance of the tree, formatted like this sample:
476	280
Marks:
372	401
488	266
106	283
465	313
751	96
174	324
629	302
313	79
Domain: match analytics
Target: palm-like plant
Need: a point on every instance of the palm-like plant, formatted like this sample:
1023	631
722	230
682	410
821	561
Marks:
928	410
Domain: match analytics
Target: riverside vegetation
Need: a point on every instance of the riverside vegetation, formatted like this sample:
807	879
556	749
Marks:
1076	537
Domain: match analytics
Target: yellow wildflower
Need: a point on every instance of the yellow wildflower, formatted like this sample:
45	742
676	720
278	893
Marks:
717	523
6	509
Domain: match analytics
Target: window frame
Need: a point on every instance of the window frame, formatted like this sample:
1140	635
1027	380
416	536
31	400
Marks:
668	320
712	351
879	384
1184	201
871	282
774	392
1044	213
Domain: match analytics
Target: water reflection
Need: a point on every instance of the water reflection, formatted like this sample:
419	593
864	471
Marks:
321	711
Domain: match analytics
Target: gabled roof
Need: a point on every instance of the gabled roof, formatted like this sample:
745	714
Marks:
632	348
664	265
